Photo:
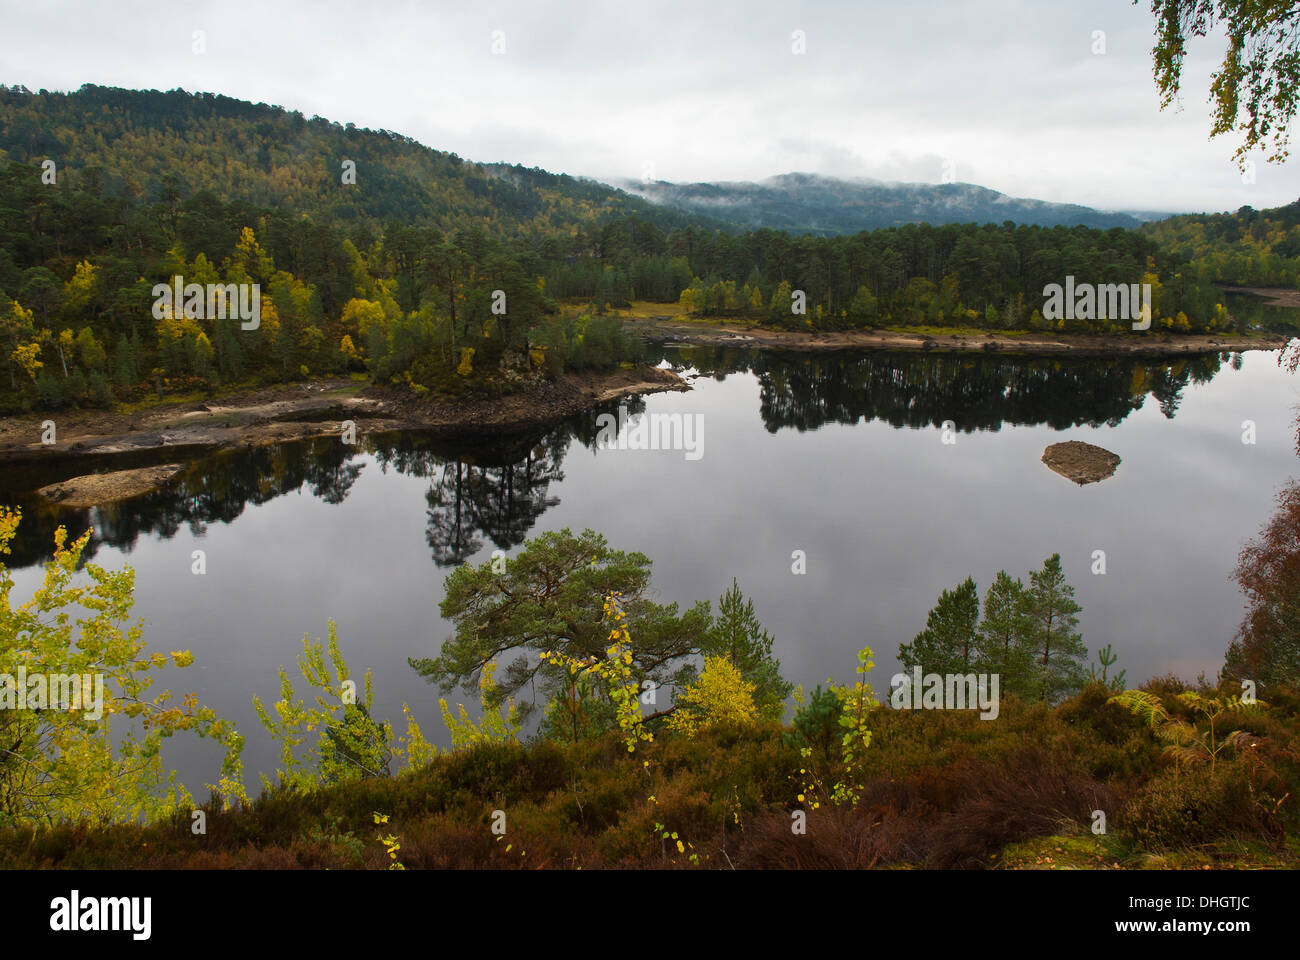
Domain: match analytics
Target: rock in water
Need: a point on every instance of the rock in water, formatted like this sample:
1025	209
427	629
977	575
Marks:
96	489
1080	462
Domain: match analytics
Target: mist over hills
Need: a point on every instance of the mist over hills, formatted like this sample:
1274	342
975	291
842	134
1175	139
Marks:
811	203
152	144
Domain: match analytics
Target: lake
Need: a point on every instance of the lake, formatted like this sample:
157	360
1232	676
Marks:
841	456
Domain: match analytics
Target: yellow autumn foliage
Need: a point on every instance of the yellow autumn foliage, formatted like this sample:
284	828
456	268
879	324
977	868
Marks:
466	365
719	695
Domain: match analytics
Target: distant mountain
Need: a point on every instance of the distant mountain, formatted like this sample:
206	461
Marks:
809	203
154	146
151	145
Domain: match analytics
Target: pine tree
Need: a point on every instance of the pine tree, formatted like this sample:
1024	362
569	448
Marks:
948	642
737	635
124	372
1052	616
778	310
229	354
1004	645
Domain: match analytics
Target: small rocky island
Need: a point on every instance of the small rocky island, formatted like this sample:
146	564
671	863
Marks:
1081	462
95	489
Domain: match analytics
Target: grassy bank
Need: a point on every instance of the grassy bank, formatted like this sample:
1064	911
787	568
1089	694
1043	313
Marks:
672	321
942	789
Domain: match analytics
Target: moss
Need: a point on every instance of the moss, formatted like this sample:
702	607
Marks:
1086	852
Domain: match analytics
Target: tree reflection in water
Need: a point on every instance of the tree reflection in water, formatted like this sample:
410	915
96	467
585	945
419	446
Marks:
494	489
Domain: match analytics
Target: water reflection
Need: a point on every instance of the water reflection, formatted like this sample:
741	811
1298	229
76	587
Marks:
976	391
495	489
1258	313
485	487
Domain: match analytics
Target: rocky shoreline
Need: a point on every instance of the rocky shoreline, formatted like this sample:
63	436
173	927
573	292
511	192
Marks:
289	413
1147	344
272	415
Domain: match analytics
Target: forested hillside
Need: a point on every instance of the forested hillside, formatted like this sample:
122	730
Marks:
147	146
432	272
973	275
1250	247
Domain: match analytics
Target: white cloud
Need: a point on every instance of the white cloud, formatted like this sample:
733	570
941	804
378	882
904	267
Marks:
1009	91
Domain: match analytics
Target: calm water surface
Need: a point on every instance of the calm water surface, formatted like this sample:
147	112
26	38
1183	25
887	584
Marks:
840	456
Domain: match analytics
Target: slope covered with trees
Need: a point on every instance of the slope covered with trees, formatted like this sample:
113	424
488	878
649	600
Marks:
1250	247
149	146
432	272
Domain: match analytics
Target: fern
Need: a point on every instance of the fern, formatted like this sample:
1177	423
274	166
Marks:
1146	706
1185	743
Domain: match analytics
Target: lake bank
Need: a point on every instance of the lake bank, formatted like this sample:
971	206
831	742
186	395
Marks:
266	416
121	443
939	789
1122	345
1273	296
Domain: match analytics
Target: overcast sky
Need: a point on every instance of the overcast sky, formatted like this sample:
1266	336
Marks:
1007	92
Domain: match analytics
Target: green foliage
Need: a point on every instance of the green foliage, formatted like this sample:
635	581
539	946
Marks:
856	704
1027	635
577	711
99	759
1184	741
615	671
737	635
1003	645
350	745
816	722
1106	660
494	727
1254	92
1197	806
431	239
941	788
436	294
948	642
171	145
1248	247
836	779
550	597
1052	615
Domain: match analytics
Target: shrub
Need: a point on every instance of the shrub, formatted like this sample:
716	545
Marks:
1189	806
817	721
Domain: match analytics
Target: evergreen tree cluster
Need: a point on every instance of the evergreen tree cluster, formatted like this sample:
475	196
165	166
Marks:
1027	635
